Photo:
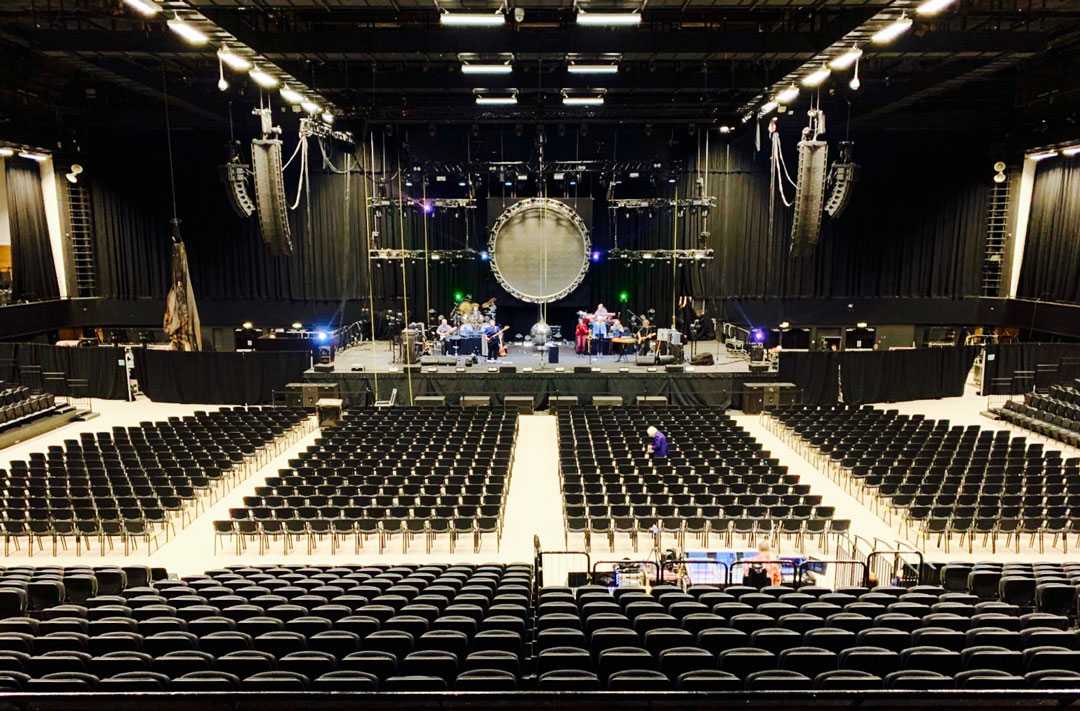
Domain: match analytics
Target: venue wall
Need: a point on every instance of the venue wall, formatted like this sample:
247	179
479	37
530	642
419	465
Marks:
1051	269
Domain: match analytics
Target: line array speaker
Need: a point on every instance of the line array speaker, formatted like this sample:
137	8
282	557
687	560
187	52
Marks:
270	196
234	175
842	177
809	196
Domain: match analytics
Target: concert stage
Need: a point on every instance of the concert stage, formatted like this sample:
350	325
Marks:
376	377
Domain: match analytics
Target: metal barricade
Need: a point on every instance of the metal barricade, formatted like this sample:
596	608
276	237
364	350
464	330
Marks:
895	567
845	572
698	571
608	575
556	568
737	571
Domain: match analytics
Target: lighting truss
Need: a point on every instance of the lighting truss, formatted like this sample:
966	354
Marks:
657	203
435	255
309	127
660	255
448	203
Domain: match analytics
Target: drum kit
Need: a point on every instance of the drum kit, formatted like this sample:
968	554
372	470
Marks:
474	314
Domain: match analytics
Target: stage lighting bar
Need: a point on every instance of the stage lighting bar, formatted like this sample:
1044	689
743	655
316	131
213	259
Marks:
576	68
479	68
933	7
418	255
235	61
608	19
472	19
146	8
263	79
660	255
891	31
187	32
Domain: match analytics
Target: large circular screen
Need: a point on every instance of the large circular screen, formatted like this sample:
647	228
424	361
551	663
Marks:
539	250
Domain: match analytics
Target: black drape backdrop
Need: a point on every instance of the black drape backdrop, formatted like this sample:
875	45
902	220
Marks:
1051	268
33	273
877	376
217	378
1004	359
103	368
909	230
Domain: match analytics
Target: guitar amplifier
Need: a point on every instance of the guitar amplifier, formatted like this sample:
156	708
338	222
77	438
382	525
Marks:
307	394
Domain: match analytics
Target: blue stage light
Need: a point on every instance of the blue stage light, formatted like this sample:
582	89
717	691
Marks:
757	335
484	256
596	255
322	336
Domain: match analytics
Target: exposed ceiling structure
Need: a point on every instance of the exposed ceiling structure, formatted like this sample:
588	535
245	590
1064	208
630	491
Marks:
1009	65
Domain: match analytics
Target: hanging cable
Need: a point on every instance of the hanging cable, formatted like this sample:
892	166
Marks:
370	245
404	274
168	145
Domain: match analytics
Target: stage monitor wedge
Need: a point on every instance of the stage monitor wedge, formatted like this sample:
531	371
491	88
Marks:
270	199
809	196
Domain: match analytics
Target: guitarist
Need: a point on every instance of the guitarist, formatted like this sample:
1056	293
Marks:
489	332
645	334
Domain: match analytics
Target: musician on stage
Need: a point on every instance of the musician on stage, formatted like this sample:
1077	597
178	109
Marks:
490	338
644	336
617	329
581	337
600	330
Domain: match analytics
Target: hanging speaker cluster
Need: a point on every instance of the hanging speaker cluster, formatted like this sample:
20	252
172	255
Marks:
809	196
842	178
270	196
235	176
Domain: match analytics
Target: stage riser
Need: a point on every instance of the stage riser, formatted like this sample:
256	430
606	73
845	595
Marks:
717	389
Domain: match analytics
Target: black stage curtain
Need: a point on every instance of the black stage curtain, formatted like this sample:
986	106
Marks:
1004	359
33	273
217	378
1051	267
815	372
893	376
102	367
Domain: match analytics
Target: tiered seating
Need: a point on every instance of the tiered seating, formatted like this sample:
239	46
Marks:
133	483
1055	414
264	628
19	401
405	472
716	480
943	480
962	635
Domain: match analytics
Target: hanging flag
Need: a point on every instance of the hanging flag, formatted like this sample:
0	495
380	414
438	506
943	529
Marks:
181	321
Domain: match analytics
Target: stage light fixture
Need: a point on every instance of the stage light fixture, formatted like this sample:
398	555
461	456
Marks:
296	325
785	324
1034	156
855	82
291	95
263	79
472	19
187	32
322	336
143	7
595	256
726	130
608	19
891	31
768	107
327	117
458	297
72	176
816	78
757	335
933	7
6	152
235	61
247	325
633	174
846	59
1071	151
310	106
485	256
861	324
786	96
592	69
38	157
624	296
487	68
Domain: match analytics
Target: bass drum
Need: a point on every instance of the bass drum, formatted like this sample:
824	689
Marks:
539	250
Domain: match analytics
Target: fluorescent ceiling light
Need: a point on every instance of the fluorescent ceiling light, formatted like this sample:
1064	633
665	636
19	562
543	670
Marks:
786	96
815	78
583	101
33	156
1034	156
311	107
6	152
487	68
933	7
235	61
726	129
610	19
496	100
1071	151
768	107
592	69
892	31
266	81
291	95
143	7
472	19
187	32
846	59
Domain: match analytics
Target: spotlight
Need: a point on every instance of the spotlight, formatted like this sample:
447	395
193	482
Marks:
595	256
266	81
143	7
311	107
608	19
235	61
785	324
248	325
624	296
855	83
933	7
485	256
892	31
472	19
73	175
429	208
815	78
757	335
846	59
788	95
290	95
322	336
726	130
296	325
187	32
